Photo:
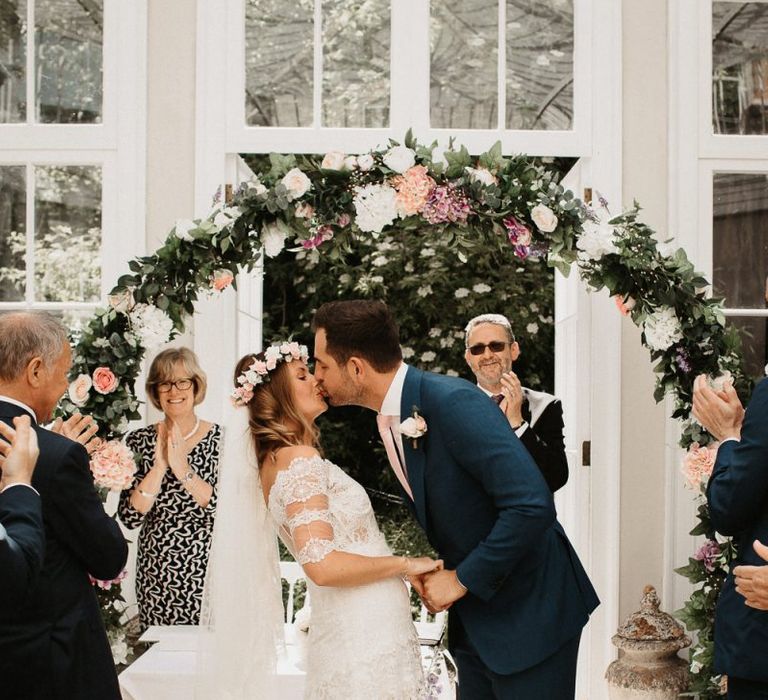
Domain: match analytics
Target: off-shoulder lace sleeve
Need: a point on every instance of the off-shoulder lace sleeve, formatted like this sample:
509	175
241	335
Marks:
302	495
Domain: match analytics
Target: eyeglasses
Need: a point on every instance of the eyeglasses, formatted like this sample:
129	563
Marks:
494	346
180	384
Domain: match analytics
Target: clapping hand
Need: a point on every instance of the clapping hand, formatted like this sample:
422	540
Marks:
512	405
176	450
18	456
720	412
79	428
752	581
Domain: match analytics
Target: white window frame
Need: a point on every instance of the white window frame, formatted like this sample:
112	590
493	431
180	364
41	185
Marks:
696	153
596	139
117	145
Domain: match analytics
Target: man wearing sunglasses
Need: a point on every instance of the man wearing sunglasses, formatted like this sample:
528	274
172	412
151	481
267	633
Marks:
535	416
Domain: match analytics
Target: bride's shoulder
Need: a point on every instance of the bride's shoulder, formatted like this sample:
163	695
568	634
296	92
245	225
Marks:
287	457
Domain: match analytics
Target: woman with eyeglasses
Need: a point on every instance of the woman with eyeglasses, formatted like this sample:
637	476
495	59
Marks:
173	497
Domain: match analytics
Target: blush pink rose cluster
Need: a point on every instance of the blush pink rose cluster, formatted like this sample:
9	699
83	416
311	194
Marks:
104	380
413	188
221	280
698	464
113	466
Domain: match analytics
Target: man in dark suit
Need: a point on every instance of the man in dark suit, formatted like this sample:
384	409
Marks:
737	495
519	594
54	644
22	539
535	416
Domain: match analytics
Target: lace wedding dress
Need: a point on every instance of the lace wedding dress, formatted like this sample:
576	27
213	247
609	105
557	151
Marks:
362	641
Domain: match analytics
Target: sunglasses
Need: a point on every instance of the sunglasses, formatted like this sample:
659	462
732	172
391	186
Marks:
494	346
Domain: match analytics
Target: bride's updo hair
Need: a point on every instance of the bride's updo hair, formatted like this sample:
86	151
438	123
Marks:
274	420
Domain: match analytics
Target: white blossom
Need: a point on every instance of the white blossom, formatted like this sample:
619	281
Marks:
296	182
597	240
428	356
434	332
375	207
408	352
482	175
452	373
183	227
273	237
408	266
532	328
427	252
481	288
365	162
424	291
662	329
399	158
447	342
255	184
544	218
333	160
152	325
379	261
461	292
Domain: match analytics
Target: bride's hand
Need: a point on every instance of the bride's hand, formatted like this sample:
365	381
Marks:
417	566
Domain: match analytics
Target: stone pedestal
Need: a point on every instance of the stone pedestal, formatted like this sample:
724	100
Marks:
648	667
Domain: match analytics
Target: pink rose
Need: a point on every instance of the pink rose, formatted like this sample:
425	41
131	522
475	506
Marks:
624	305
80	389
698	463
104	380
221	280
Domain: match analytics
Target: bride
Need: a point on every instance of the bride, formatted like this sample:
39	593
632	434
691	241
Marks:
362	641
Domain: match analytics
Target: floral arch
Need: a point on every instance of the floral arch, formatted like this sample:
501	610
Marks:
509	204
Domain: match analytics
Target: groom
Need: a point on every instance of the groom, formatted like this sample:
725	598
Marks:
520	597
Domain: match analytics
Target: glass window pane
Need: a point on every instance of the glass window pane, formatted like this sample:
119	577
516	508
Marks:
13	237
279	59
356	56
67	233
740	239
539	45
739	67
463	64
753	344
13	61
68	58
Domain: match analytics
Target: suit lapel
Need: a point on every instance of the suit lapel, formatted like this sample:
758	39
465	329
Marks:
415	458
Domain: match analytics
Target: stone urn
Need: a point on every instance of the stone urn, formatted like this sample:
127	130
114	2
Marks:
648	667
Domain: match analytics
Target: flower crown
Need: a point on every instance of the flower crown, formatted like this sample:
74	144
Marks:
258	372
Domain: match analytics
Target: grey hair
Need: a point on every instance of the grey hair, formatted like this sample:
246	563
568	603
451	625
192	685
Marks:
26	335
495	319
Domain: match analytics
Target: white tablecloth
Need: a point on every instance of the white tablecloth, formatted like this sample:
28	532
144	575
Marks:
166	671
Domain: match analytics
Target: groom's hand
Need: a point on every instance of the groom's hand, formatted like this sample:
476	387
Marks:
442	589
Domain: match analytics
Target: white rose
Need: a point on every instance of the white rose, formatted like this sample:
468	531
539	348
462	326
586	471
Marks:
79	390
544	218
365	162
375	207
273	238
256	184
413	427
350	163
597	240
662	329
296	182
226	217
334	160
484	176
183	227
400	158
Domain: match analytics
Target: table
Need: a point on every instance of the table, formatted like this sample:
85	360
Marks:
167	670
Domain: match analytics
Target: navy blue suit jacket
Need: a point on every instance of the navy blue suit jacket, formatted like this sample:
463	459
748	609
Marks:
54	644
737	495
489	513
22	544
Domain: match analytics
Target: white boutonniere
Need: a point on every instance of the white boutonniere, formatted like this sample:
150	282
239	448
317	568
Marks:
414	427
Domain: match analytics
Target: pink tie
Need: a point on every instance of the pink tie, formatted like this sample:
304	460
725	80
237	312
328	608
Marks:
387	426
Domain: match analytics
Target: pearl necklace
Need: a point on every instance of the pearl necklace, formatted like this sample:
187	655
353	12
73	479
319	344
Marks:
192	432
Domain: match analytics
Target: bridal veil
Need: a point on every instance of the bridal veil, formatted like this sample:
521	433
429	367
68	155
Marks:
241	624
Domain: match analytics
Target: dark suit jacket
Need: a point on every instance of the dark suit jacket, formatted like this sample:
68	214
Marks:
737	495
487	510
544	437
54	645
22	545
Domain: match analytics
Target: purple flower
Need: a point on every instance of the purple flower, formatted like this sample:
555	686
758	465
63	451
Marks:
519	236
446	203
683	360
708	554
322	234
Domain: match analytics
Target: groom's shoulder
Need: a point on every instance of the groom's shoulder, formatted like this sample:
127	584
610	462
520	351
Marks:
442	383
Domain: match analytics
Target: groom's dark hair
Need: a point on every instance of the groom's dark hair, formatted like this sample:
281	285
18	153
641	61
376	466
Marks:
360	328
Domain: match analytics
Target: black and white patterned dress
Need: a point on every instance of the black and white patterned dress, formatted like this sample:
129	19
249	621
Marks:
175	534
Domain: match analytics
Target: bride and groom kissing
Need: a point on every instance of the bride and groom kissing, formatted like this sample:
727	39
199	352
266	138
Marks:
517	593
